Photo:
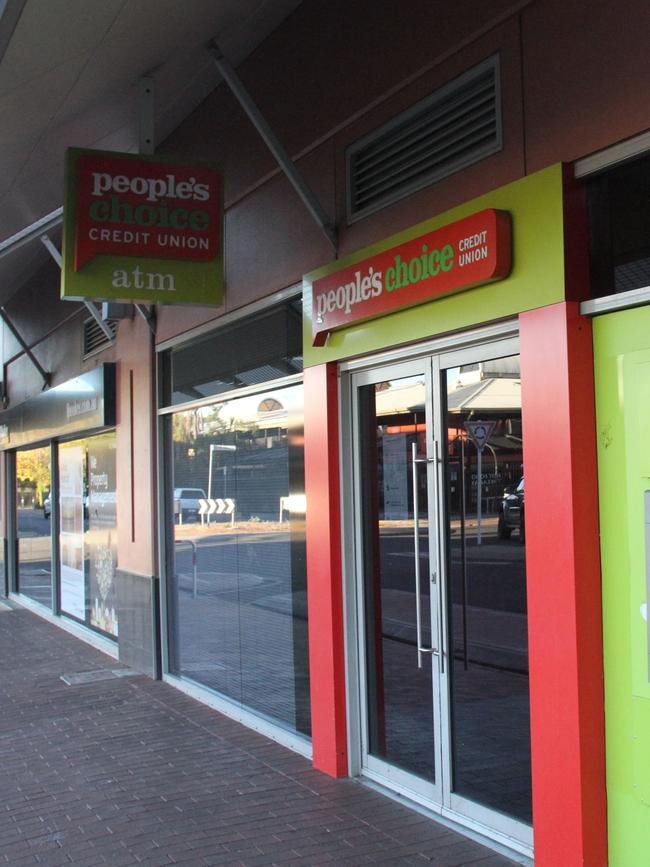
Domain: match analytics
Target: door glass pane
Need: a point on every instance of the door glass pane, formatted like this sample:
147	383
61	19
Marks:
399	694
237	595
34	533
486	534
88	531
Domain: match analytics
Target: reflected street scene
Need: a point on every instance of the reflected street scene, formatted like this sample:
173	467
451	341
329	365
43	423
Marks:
33	482
469	706
487	592
238	600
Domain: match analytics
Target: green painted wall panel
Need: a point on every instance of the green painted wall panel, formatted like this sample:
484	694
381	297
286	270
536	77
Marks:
536	279
622	366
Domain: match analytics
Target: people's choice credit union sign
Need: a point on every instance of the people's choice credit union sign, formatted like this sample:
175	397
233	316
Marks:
140	228
461	255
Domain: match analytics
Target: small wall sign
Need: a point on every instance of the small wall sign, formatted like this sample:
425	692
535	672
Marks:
141	228
459	256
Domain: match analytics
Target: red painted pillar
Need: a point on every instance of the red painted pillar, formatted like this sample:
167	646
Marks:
564	589
324	577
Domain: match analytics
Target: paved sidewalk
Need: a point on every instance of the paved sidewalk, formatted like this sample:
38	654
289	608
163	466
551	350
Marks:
129	771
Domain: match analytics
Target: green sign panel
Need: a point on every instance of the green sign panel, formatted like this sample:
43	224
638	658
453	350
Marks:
142	228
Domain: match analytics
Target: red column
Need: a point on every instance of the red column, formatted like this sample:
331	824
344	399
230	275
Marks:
564	591
324	577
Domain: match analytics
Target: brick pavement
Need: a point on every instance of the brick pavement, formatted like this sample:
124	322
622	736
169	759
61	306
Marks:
131	771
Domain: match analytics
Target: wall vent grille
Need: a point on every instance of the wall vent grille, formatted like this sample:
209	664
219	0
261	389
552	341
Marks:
94	338
456	126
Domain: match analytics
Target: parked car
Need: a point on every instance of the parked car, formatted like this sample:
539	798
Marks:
186	502
511	512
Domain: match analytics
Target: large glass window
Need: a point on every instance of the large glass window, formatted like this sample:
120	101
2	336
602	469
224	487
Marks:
251	351
33	505
88	531
237	588
619	217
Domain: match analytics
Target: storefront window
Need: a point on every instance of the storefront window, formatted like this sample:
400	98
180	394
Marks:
88	531
237	589
619	216
248	352
33	506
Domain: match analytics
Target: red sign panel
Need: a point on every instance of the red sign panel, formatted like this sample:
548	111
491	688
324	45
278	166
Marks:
462	255
145	208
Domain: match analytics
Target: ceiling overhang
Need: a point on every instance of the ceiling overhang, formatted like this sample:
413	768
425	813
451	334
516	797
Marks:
70	73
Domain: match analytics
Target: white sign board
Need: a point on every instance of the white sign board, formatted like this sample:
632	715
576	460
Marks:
395	479
71	535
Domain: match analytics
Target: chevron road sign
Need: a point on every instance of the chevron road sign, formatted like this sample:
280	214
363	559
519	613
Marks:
210	507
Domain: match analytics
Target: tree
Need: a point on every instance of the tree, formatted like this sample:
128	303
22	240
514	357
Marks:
33	470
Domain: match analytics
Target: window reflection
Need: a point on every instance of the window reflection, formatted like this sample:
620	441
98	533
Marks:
238	602
251	351
399	693
33	519
487	593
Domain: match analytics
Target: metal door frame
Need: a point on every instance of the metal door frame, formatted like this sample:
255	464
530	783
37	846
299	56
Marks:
372	766
431	359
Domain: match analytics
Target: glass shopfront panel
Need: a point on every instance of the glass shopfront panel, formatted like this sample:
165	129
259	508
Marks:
33	484
441	585
237	600
487	603
88	531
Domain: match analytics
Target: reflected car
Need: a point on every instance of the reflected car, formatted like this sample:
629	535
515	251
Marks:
186	502
511	513
47	506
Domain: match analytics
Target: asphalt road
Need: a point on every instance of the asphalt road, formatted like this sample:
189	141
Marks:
495	570
32	523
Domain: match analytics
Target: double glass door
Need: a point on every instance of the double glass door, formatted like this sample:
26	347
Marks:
441	587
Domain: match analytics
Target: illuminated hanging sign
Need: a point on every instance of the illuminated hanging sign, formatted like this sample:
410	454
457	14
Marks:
141	228
462	255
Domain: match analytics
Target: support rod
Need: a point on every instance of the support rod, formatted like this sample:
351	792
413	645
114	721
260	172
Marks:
90	307
49	245
97	316
28	352
285	162
148	315
31	232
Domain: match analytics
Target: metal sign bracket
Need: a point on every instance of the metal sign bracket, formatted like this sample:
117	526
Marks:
309	198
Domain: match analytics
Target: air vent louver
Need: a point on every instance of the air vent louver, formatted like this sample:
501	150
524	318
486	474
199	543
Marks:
94	338
456	126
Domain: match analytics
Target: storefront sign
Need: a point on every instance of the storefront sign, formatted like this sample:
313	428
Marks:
462	255
141	229
84	403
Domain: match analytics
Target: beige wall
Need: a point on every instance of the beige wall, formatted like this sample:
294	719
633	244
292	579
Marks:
135	467
572	75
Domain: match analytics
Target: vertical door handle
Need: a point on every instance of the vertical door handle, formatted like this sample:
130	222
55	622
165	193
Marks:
415	460
441	643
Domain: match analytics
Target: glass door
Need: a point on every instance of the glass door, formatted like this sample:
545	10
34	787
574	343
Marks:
33	510
441	586
399	589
